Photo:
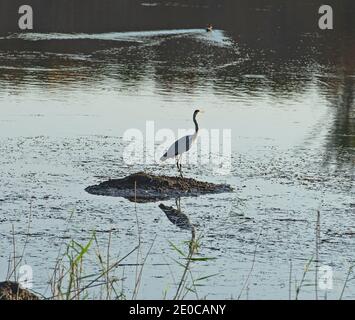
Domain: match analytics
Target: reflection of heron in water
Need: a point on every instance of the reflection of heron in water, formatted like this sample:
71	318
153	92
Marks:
182	221
181	146
176	216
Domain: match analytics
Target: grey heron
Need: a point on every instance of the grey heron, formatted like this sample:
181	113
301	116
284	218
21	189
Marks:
181	146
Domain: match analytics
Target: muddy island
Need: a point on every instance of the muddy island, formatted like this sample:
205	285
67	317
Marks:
143	187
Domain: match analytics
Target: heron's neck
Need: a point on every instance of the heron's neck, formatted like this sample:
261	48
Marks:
196	125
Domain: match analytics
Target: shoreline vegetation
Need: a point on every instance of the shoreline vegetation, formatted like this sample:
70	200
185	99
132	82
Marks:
70	280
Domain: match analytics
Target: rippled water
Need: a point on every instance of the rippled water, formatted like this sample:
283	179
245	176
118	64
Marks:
66	100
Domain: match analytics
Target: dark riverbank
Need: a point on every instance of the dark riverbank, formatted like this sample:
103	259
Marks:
94	16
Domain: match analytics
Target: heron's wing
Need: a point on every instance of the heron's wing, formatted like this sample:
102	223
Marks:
178	147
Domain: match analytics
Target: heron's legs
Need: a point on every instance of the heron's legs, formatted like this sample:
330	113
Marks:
177	202
179	165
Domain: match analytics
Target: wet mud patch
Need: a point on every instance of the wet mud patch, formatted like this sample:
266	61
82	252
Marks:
142	187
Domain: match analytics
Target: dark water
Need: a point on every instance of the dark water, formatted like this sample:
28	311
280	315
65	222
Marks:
252	18
287	94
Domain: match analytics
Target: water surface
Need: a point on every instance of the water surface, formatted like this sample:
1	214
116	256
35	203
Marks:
67	99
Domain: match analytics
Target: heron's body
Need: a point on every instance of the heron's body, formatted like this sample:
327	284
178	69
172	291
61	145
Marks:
182	145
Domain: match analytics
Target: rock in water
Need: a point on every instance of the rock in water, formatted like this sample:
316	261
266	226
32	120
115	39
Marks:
13	291
143	187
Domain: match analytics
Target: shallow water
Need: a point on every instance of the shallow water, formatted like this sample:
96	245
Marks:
66	100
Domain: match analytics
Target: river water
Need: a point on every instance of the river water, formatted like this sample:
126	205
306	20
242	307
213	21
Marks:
66	101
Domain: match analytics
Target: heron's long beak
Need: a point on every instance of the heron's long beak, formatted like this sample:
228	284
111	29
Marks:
202	111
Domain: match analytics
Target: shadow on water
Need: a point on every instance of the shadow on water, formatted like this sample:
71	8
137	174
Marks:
341	143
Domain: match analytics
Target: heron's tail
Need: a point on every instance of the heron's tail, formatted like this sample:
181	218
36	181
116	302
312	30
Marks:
164	157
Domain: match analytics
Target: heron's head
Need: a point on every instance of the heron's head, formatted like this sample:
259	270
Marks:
196	112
